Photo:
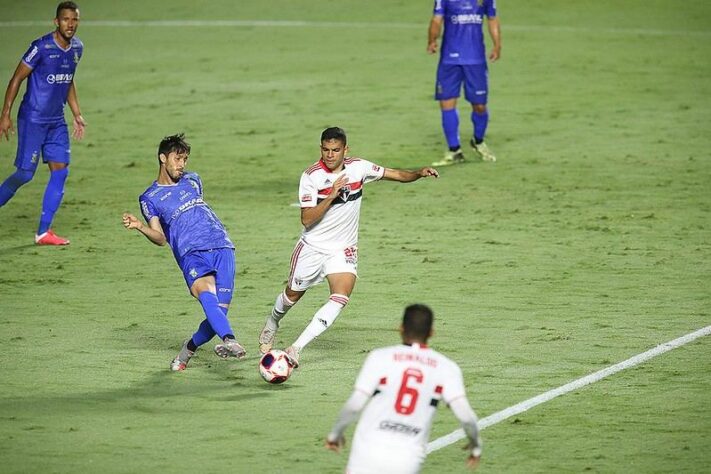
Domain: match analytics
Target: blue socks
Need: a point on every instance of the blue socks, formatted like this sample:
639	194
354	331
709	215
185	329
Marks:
13	183
450	125
52	198
480	122
216	317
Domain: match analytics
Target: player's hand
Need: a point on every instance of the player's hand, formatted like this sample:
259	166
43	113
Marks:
425	172
79	124
340	183
473	462
6	127
495	54
130	221
335	445
432	47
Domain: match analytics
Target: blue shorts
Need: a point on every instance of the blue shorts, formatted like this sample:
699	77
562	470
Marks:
51	140
218	262
474	76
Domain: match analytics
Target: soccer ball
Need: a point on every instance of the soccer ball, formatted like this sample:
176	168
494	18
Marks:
274	367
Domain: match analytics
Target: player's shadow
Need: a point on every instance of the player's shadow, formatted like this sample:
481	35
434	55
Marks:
15	249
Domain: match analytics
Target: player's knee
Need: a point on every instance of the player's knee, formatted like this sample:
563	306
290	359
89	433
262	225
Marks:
60	174
21	177
479	108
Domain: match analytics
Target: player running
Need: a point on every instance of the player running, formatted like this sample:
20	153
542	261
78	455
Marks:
50	64
330	195
176	214
400	388
463	61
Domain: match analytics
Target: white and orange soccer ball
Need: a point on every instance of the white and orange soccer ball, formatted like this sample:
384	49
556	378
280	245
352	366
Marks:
274	366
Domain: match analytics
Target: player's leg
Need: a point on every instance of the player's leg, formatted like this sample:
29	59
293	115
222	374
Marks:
224	283
449	83
476	90
55	152
303	272
341	271
29	146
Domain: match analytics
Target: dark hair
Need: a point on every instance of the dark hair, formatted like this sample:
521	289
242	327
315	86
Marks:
174	143
417	322
334	133
66	6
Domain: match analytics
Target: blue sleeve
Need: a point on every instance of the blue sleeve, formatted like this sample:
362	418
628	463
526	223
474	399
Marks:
33	55
195	178
147	208
490	8
438	7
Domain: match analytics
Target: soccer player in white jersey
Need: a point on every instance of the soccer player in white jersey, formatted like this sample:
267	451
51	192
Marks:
400	388
330	195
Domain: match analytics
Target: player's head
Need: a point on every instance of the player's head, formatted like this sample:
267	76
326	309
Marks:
333	147
67	20
417	323
173	153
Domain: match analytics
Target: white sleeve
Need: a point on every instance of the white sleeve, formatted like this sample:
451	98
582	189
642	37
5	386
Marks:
370	375
308	194
348	414
371	171
466	416
453	384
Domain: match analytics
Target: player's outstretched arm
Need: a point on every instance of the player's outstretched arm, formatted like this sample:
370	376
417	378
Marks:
407	176
79	123
466	416
21	73
495	33
335	439
153	232
433	33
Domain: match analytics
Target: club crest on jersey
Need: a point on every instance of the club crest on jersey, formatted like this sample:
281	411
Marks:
344	192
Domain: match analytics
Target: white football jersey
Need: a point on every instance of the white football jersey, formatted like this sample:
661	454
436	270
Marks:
406	384
338	229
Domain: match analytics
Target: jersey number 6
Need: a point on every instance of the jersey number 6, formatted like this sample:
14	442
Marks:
407	395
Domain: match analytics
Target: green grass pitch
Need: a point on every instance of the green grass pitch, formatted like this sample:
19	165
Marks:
586	243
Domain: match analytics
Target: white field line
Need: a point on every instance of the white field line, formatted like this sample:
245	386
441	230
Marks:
352	24
497	417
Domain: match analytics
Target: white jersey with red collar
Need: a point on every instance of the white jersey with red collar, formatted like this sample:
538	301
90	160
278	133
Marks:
406	384
338	229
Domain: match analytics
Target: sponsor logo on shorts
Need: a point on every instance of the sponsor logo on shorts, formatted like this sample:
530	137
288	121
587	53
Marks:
224	290
396	427
306	198
35	157
351	254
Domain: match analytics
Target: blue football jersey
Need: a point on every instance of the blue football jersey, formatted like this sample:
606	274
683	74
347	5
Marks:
463	39
48	84
188	222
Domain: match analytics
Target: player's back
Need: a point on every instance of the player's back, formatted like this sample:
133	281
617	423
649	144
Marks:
407	383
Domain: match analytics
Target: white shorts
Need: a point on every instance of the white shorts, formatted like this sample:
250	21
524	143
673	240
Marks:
310	266
378	459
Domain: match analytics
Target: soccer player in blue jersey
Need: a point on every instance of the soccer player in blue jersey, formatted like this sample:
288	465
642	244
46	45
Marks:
463	61
176	214
49	63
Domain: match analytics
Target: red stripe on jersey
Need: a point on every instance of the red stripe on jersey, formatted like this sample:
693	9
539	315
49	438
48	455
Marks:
354	187
384	381
438	389
350	160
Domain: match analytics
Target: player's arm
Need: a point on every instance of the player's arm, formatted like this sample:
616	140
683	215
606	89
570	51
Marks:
433	33
13	87
495	33
310	216
407	176
466	416
79	123
153	231
353	406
